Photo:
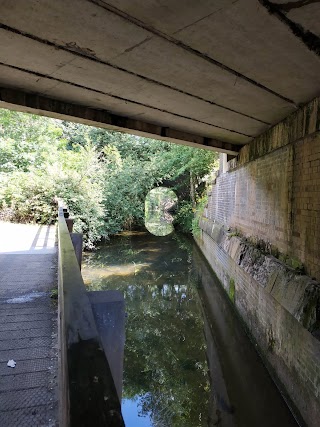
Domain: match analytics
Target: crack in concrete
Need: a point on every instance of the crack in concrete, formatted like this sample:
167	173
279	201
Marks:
122	99
309	39
286	7
204	17
61	66
82	50
178	43
70	49
130	49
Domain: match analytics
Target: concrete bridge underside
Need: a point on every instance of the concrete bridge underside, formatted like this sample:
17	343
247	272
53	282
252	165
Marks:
213	74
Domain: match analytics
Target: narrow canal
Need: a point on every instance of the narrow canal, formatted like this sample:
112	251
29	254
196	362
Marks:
187	360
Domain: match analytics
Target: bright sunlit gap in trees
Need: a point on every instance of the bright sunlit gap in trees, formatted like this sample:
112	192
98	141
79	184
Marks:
159	206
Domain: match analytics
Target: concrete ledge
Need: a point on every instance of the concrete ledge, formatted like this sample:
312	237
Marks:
296	292
87	394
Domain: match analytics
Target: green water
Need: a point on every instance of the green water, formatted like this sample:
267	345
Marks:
187	360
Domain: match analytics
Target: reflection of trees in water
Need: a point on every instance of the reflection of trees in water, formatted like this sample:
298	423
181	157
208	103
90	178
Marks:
164	363
165	357
158	204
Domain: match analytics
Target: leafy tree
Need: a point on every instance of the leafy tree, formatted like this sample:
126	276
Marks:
103	176
26	140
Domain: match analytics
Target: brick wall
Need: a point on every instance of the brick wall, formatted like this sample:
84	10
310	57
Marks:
271	192
275	198
304	238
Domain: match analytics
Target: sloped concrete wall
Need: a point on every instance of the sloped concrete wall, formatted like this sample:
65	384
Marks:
292	353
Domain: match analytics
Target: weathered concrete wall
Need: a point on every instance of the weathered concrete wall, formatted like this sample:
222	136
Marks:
291	351
270	197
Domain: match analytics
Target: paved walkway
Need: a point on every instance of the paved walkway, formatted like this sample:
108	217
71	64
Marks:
28	326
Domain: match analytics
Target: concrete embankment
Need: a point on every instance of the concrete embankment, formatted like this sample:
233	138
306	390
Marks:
279	308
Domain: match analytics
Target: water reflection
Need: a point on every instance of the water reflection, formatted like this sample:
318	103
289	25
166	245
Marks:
131	410
158	205
242	392
179	325
165	367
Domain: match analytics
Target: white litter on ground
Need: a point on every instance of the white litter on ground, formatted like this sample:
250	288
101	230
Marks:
26	298
11	363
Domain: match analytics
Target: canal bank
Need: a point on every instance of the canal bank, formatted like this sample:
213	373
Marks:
272	300
187	361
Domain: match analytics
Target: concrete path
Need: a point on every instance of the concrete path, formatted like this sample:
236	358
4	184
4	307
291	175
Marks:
28	326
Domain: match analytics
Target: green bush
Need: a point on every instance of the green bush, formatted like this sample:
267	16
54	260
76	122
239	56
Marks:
30	195
184	217
102	176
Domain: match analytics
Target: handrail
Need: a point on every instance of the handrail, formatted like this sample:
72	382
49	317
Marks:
87	394
63	383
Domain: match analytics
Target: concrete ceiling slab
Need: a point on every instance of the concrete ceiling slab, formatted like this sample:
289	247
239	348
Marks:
65	66
167	15
303	12
179	68
247	38
17	79
156	58
40	57
71	94
68	93
77	24
136	89
225	70
307	16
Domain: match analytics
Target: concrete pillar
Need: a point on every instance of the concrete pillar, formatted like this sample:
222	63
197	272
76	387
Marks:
223	165
224	162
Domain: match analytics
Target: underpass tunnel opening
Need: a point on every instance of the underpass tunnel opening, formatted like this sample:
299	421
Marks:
125	180
102	175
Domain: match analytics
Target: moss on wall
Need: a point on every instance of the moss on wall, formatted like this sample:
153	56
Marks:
232	290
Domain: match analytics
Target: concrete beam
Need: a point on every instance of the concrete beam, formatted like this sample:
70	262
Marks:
30	103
